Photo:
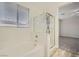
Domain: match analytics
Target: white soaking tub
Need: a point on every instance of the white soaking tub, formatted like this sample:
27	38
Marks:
22	49
37	51
17	49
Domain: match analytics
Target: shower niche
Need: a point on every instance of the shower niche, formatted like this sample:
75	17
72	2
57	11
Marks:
13	14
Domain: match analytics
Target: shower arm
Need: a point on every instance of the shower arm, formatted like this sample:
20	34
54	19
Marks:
48	21
49	14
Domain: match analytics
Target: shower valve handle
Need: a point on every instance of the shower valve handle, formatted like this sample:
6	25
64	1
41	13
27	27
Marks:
36	36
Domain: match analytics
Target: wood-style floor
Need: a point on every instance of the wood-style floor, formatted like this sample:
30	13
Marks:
69	43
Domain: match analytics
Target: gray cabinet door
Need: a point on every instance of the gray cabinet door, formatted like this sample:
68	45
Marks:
23	16
8	14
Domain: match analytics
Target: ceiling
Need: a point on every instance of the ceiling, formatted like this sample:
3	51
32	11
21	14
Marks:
42	4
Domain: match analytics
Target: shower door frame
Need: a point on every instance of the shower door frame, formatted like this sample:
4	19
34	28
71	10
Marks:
47	40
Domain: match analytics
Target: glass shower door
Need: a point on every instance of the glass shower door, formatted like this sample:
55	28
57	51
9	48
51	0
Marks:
39	29
44	31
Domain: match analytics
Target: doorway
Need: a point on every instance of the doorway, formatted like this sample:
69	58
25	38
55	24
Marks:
69	27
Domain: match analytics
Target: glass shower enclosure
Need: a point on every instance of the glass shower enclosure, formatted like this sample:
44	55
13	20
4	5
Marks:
44	29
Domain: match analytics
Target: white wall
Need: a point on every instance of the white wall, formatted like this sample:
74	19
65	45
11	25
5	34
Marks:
69	21
70	28
38	8
20	34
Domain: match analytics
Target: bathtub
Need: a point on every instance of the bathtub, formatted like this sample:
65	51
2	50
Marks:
37	51
22	49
